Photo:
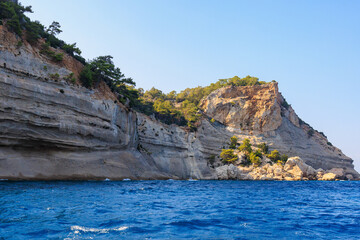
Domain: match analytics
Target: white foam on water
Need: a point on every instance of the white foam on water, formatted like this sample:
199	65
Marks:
107	179
77	229
126	179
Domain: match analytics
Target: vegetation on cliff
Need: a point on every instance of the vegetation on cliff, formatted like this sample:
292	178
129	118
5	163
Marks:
250	155
182	108
178	108
13	16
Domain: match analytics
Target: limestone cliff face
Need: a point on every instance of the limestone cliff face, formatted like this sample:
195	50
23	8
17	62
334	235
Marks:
260	113
255	112
252	109
53	129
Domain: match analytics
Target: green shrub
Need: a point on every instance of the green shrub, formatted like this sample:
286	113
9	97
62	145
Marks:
62	91
70	78
233	142
45	49
329	143
19	44
80	59
245	146
258	153
58	57
255	159
283	159
264	148
274	156
228	156
86	77
14	25
55	76
71	49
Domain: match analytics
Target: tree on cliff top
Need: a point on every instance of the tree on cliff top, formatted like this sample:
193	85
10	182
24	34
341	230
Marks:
104	69
54	28
14	14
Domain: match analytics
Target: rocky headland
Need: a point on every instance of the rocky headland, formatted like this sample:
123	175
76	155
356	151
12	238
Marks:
52	128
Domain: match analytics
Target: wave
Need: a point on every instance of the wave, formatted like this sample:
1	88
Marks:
126	179
77	229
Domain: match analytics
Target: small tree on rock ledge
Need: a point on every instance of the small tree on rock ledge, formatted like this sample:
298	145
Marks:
228	156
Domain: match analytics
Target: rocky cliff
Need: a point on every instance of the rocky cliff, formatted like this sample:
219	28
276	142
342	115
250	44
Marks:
53	129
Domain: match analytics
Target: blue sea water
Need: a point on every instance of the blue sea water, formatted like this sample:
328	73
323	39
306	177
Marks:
180	210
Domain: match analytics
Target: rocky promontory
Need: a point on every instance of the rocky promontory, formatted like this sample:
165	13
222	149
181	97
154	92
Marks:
53	128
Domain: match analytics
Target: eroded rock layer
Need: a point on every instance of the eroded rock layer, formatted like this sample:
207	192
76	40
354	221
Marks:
255	112
53	129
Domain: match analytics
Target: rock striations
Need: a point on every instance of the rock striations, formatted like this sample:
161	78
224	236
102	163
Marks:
52	129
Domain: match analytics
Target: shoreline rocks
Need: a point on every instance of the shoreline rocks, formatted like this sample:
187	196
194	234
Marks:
295	169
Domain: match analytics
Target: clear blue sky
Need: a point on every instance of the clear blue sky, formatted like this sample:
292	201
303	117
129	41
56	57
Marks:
312	48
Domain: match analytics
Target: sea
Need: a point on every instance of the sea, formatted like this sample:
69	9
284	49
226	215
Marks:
172	209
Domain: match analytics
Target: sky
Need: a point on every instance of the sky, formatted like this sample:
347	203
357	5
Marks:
312	48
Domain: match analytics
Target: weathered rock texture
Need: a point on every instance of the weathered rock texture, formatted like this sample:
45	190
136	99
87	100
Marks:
52	129
260	113
294	170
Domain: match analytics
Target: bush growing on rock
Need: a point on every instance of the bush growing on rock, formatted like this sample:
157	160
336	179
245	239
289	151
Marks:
255	159
245	146
187	101
283	159
70	78
86	77
233	142
274	156
228	156
258	153
264	148
55	76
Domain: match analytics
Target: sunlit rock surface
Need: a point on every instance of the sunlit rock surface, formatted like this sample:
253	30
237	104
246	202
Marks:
53	129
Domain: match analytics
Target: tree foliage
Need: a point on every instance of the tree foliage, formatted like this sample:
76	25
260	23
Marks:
264	148
274	155
54	28
255	159
245	146
103	69
180	108
233	142
228	156
13	16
